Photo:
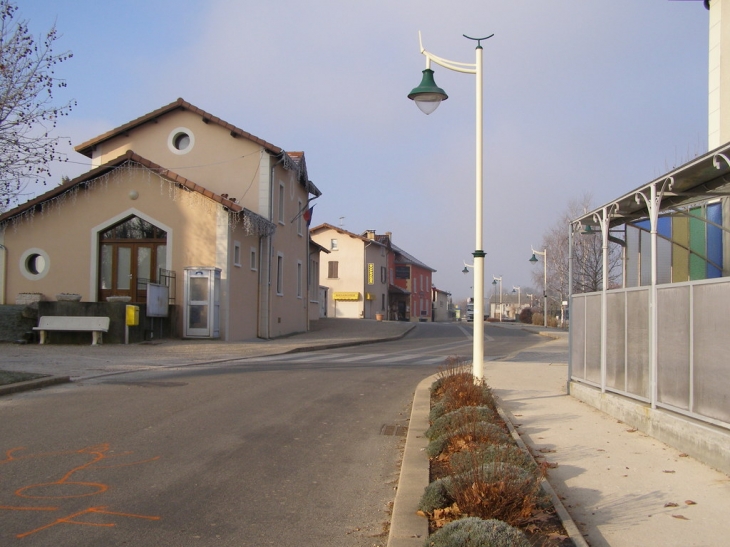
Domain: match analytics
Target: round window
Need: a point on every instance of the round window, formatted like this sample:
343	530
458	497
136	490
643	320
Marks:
34	264
181	140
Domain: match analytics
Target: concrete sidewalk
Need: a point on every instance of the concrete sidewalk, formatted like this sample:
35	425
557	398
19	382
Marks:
621	487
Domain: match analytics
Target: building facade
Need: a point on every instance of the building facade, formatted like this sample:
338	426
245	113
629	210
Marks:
171	194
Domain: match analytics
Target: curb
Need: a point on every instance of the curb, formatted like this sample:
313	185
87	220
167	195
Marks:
407	529
30	385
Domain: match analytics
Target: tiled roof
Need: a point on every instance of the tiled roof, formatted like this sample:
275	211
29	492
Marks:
180	104
342	231
297	158
402	257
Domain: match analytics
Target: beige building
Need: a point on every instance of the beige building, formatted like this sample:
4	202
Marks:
174	194
355	273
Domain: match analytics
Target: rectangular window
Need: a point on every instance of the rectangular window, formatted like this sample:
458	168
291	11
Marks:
281	203
280	274
299	218
300	271
252	259
332	269
237	254
333	244
383	274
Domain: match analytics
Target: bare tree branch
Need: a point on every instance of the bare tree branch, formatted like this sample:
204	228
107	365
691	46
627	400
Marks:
27	112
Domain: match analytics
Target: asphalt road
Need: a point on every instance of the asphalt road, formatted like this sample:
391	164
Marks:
291	450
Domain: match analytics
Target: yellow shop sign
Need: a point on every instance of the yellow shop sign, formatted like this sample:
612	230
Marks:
346	296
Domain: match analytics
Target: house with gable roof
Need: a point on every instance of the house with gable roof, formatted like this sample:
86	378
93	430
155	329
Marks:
171	194
355	274
367	275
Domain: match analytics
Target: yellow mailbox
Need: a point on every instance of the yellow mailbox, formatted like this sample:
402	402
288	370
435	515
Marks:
132	316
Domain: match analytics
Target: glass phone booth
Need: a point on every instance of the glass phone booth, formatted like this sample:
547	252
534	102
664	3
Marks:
202	303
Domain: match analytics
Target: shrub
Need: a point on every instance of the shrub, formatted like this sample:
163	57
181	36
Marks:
498	490
475	532
537	319
436	496
526	316
458	418
437	410
482	454
476	432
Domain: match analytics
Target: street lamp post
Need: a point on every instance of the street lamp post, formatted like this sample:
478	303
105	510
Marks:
495	279
427	97
519	300
533	259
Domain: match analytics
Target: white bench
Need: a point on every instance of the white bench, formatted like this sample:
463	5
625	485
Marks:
95	325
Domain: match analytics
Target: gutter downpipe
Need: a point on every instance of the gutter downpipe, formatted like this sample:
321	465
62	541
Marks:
265	307
3	273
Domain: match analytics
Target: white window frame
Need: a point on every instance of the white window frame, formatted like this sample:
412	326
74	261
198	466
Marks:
279	274
299	218
253	260
300	272
237	254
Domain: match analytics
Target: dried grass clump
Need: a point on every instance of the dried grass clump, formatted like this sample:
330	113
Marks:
482	454
469	434
459	418
498	491
475	532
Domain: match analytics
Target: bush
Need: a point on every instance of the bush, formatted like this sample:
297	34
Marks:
537	319
458	418
498	490
482	454
476	432
526	316
437	411
475	532
436	496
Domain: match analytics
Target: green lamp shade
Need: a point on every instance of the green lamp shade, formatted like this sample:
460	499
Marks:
428	95
465	270
533	258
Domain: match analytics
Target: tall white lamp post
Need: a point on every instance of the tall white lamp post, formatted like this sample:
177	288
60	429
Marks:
427	97
533	259
519	301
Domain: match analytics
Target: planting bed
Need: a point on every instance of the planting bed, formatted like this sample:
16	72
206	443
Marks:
485	490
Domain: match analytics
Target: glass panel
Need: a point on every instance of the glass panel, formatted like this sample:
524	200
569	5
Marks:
144	263
198	289
134	228
673	347
124	268
198	317
106	266
161	260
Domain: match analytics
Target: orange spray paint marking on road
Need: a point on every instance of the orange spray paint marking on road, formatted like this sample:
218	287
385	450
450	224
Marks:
68	488
70	520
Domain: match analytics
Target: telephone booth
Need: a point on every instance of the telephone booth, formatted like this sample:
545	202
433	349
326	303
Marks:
202	303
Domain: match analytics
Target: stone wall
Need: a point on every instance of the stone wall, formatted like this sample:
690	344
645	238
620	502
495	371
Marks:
17	321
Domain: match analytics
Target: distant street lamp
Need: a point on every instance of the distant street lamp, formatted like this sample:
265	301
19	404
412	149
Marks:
533	259
494	282
427	97
519	300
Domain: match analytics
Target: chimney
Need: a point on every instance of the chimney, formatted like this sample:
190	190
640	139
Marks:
370	234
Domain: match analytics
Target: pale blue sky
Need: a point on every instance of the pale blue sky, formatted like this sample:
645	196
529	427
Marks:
582	96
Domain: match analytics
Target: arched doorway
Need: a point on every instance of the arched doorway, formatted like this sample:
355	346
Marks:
131	254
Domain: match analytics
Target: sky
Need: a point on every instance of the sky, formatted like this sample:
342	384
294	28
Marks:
580	97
